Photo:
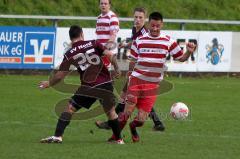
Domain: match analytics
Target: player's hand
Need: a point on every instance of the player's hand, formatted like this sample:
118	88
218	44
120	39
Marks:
191	47
110	45
43	84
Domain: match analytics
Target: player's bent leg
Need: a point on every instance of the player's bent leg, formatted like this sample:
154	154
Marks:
63	122
114	124
158	125
138	122
124	116
121	105
119	108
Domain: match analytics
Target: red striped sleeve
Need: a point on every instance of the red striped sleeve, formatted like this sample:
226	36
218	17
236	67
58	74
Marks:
173	46
113	23
178	54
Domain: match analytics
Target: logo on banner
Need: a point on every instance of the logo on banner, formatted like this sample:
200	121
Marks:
39	48
214	52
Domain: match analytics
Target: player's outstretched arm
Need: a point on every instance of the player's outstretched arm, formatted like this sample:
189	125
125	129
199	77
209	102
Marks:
190	49
54	79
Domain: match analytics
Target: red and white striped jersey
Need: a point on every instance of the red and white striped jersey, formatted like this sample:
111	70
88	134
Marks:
150	54
106	24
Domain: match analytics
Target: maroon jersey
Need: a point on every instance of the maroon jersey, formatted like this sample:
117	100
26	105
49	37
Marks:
86	57
136	34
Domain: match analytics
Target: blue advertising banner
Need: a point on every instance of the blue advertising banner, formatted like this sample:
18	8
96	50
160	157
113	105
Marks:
27	47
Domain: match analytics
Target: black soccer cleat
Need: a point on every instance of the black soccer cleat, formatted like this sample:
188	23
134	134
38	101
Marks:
159	127
102	125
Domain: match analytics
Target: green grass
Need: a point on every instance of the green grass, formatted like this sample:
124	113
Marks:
174	9
212	131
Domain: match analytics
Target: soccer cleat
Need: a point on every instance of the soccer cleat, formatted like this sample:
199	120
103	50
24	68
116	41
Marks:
113	140
102	125
135	136
119	142
51	139
159	127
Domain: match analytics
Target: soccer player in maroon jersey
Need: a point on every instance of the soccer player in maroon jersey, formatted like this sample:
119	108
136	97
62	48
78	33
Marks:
149	53
96	83
139	29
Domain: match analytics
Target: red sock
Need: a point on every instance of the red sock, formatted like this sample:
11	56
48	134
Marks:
136	123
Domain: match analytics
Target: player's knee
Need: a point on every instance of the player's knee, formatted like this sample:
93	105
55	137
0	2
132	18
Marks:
111	114
71	109
130	102
124	116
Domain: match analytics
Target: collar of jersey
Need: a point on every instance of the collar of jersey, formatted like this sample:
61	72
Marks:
148	34
105	14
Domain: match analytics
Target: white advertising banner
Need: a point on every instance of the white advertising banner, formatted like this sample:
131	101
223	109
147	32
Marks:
183	37
213	53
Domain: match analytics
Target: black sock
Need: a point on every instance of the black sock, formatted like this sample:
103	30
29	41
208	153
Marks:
120	108
114	124
135	123
63	122
153	115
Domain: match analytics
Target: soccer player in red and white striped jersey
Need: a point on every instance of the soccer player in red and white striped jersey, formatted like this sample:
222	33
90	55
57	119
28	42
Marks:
139	29
107	27
149	53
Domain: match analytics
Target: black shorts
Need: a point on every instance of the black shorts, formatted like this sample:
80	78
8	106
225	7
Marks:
85	96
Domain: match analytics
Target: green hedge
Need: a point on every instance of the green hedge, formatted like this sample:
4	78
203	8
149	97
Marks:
174	9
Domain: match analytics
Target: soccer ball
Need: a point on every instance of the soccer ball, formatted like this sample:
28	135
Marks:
179	111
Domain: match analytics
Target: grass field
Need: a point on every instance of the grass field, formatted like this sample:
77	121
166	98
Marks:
212	131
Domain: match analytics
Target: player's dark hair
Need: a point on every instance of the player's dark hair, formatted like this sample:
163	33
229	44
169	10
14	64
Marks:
110	2
140	9
155	16
75	31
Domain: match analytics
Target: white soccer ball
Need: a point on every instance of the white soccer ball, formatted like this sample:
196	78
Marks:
179	111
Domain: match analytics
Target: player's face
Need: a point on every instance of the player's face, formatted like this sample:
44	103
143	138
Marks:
155	27
139	19
104	6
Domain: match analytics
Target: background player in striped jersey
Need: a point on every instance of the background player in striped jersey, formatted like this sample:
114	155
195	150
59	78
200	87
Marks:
107	28
149	52
138	29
